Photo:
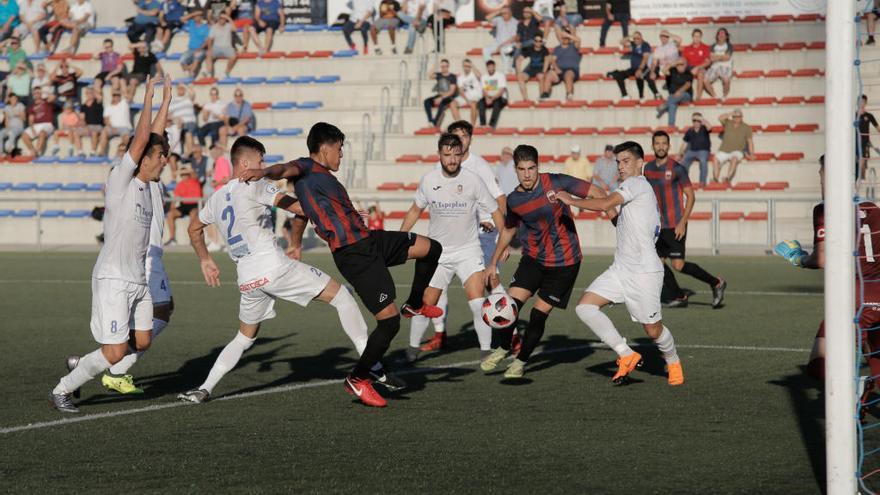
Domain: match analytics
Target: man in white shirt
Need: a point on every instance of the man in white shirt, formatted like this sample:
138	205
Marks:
504	43
120	295
636	276
117	121
183	113
415	13
82	15
469	91
242	212
494	85
505	172
220	45
455	198
359	20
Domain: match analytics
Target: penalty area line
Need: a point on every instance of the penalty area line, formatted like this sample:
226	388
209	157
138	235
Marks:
322	383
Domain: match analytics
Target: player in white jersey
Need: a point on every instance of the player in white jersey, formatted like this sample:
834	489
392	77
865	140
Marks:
636	276
455	198
242	213
120	298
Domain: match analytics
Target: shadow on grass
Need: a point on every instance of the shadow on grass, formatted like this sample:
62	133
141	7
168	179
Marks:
652	362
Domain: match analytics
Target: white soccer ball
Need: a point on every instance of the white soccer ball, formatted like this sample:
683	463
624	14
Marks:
499	310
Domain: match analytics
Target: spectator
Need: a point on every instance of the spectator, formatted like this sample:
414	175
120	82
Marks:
41	115
213	118
243	12
415	13
722	64
506	171
82	16
19	83
359	20
665	55
526	31
8	18
182	112
92	115
678	83
866	120
199	163
239	119
639	54
494	86
58	22
170	21
736	138
565	65
145	22
605	173
221	171
505	27
14	114
112	69
32	16
578	165
567	14
443	14
697	146
872	23
14	54
197	46
44	82
469	92
697	56
216	8
543	11
268	15
446	87
117	121
220	45
615	11
145	64
537	64
69	125
65	79
375	218
386	19
187	194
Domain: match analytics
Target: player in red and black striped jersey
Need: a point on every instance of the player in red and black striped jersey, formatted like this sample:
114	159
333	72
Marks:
671	186
362	256
550	247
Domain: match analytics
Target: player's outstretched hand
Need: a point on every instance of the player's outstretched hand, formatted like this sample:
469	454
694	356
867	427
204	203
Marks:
790	250
564	197
490	277
252	174
166	88
680	230
505	254
149	86
211	273
294	252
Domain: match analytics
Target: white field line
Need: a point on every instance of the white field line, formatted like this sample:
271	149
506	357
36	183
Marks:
322	383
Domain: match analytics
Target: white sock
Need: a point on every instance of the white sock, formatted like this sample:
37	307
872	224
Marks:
89	367
128	361
499	289
227	360
351	318
666	344
602	326
417	327
484	332
440	322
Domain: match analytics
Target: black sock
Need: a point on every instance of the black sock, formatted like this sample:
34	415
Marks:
698	273
537	321
377	344
425	268
671	289
501	336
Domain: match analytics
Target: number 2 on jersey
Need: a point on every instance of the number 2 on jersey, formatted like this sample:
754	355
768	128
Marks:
230	212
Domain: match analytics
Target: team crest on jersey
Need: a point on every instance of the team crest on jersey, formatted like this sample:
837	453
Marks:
551	196
669	175
459	189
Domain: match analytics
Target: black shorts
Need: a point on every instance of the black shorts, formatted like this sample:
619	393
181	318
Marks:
577	75
670	247
365	263
866	148
269	24
553	284
103	75
533	71
185	208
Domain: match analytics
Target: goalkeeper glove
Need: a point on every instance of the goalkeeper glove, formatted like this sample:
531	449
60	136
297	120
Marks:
790	250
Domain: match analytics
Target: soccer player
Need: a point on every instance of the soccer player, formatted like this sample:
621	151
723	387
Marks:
455	198
243	211
551	252
362	256
670	182
120	295
635	278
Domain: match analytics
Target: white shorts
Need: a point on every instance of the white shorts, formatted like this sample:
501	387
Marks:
34	131
119	307
295	282
639	291
724	156
461	262
464	102
157	279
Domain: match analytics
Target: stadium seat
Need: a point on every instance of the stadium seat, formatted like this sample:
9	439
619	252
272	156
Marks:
290	132
390	186
24	186
321	54
412	186
310	105
25	213
522	104
427	131
548	104
610	131
302	79
431	159
774	186
791	100
51	213
805	128
49	186
574	104
531	131
408	159
764	47
584	131
229	81
95	187
327	79
6	213
731	215
272	55
277	80
74	186
557	131
763	100
701	215
588	215
297	54
763	156
273	158
776	128
96	160
749	74
77	214
706	102
778	73
746	186
45	159
505	131
790	157
269	131
70	160
345	53
756	216
283	105
717	186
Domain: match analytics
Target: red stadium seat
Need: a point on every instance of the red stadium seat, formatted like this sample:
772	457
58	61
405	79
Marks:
726	19
574	104
522	104
427	131
482	131
673	21
610	131
756	216
505	131
749	74
591	77
637	131
475	51
751	19
412	186
261	105
778	73
627	103
794	45
807	73
205	81
791	100
736	101
781	18
297	54
805	128
717	129
790	157
316	54
431	158
731	215
390	186
742	47
248	55
765	47
647	21
83	56
557	131
588	215
531	131
816	99
701	215
468	25
776	128
700	20
763	157
816	45
706	102
281	54
717	186
774	186
409	159
547	104
600	103
808	18
651	103
746	186
756	127
492	158
546	158
763	100
593	22
584	131
606	50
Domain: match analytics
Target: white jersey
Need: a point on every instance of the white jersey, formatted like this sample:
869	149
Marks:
157	229
127	220
476	164
454	203
638	225
242	213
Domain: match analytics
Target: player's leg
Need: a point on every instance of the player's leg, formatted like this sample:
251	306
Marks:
667	247
526	281
396	248
677	258
140	340
642	299
470	270
420	323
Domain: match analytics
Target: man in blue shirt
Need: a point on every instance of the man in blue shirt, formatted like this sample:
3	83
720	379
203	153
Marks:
240	118
197	48
640	52
170	21
8	18
267	18
145	22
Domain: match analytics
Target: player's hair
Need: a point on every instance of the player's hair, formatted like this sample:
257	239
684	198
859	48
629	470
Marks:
821	162
661	132
488	63
323	133
633	147
463	125
467	60
153	141
444	60
525	153
243	145
865	98
697	30
449	140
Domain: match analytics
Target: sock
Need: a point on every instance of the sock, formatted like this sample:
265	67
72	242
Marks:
377	344
417	327
425	268
499	289
442	303
694	270
89	367
666	344
602	326
501	336
131	358
671	290
351	319
484	332
534	332
227	360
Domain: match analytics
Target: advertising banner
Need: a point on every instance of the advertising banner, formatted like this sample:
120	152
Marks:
715	8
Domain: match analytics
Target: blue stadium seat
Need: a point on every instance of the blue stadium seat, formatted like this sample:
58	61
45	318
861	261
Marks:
290	132
345	53
52	213
24	213
24	186
136	107
302	79
313	28
74	186
96	160
293	28
71	160
121	30
183	80
227	81
95	187
273	158
283	105
77	214
173	56
85	81
310	105
254	80
327	79
170	186
45	159
278	80
49	186
269	131
334	28
38	56
103	30
5	213
5	186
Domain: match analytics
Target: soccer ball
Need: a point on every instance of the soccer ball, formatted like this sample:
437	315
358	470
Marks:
499	310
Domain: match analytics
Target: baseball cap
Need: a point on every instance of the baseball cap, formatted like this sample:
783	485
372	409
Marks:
576	148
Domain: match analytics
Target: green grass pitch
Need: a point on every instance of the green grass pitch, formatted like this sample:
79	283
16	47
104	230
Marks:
746	420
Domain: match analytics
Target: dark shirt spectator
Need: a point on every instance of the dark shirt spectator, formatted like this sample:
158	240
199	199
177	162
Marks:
679	82
145	22
615	11
446	88
639	52
696	146
536	65
566	64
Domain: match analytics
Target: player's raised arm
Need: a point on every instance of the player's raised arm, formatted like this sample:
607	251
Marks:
490	273
210	270
412	216
289	170
142	131
595	204
162	116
